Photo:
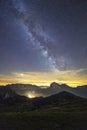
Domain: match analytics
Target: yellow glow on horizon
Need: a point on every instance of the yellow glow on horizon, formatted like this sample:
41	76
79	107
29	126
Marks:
39	83
71	78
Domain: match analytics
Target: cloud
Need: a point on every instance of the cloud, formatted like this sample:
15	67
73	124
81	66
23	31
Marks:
70	77
7	80
82	72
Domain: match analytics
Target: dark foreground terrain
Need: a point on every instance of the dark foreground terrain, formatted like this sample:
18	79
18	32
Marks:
51	119
62	111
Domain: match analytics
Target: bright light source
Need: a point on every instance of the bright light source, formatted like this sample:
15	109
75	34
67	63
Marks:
31	95
21	74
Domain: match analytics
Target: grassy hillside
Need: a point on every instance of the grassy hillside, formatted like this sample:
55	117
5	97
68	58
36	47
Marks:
62	100
50	119
63	111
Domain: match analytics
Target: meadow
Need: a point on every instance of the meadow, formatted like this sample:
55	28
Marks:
49	119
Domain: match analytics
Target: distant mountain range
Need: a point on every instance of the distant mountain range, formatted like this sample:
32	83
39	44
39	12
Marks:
25	89
10	101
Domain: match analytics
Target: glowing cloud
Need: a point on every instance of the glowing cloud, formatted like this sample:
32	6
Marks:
72	77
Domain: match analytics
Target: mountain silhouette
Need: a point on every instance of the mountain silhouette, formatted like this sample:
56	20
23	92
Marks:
24	89
61	100
10	100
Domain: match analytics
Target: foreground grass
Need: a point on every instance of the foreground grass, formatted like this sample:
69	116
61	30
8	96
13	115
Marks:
44	120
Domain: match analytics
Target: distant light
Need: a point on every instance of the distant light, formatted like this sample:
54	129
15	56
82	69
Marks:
31	96
21	74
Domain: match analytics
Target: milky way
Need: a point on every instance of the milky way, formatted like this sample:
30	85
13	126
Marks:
35	33
43	38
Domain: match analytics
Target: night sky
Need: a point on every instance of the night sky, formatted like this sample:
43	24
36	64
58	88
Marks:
42	41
